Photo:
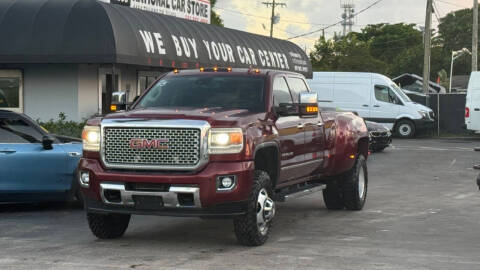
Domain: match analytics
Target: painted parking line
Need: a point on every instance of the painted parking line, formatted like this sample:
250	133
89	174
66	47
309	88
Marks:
427	148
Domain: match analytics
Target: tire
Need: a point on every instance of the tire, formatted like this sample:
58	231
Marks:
247	228
332	196
405	129
108	226
355	185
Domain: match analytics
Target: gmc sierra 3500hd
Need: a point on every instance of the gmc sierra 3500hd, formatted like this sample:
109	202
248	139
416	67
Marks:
220	142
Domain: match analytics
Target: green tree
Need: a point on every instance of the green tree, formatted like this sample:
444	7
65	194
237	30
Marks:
214	17
455	33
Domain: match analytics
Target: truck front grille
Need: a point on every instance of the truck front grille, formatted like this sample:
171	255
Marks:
153	147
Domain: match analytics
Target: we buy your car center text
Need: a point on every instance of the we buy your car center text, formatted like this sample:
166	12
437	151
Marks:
188	47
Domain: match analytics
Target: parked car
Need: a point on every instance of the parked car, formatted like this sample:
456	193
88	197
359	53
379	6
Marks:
221	143
375	98
35	165
380	136
472	106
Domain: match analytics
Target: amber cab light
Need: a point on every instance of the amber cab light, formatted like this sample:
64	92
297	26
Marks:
467	112
113	107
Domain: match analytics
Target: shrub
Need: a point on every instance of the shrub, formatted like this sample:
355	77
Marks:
63	127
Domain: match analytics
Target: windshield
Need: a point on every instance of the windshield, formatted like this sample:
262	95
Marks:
201	91
400	93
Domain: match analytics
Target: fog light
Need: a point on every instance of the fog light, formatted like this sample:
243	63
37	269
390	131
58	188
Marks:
85	179
226	182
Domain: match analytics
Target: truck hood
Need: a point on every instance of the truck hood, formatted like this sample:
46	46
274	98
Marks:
419	107
214	116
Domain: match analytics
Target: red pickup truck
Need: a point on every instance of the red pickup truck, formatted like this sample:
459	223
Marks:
221	143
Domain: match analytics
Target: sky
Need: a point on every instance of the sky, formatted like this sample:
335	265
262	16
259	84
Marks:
301	16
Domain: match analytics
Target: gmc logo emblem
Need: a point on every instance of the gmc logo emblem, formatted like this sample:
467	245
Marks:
149	144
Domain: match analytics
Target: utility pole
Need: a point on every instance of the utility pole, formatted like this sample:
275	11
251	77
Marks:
475	37
428	43
273	19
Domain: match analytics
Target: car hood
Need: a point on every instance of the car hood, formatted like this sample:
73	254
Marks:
214	116
373	126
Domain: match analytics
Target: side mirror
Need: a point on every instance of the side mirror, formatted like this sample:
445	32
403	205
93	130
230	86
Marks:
47	142
308	104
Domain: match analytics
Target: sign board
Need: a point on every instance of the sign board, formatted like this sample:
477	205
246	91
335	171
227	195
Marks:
193	10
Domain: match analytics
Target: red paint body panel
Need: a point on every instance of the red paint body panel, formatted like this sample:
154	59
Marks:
316	150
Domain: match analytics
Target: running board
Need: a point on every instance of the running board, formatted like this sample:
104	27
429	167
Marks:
299	192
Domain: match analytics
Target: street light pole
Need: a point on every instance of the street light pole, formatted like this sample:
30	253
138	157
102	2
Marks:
455	55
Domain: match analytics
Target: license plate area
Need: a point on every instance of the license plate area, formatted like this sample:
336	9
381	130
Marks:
146	202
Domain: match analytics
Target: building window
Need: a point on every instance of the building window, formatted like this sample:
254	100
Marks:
146	79
11	90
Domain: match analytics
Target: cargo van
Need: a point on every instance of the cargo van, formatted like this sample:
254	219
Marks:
472	106
374	97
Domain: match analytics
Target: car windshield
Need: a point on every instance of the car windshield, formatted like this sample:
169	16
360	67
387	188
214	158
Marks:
400	93
204	91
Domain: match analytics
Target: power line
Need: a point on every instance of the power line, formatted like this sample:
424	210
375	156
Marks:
337	23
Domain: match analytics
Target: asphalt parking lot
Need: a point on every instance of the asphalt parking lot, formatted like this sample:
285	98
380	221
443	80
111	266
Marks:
423	212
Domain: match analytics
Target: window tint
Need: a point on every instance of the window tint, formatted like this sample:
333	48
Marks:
9	92
281	94
297	86
385	94
18	131
205	91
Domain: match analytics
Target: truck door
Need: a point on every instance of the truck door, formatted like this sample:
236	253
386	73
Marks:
312	130
290	132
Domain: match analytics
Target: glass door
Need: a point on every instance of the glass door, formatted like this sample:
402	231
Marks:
145	79
11	90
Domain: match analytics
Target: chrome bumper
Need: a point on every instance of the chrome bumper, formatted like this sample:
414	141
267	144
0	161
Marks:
169	198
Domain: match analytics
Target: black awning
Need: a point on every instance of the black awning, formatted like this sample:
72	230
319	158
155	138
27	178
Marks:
88	31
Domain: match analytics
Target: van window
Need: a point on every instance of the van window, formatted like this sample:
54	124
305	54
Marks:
297	86
281	94
385	94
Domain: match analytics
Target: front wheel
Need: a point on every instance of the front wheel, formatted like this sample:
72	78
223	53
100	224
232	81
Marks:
108	226
405	129
253	228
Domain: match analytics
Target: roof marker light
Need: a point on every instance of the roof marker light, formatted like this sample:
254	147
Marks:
175	71
215	69
202	69
229	69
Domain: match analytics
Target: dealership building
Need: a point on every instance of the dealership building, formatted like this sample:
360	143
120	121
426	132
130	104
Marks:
70	56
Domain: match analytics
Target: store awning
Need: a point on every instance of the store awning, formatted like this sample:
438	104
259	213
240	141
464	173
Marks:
88	31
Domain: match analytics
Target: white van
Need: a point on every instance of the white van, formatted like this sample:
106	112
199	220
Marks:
472	107
374	97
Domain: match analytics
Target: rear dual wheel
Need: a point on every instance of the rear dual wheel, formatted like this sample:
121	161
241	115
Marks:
350	191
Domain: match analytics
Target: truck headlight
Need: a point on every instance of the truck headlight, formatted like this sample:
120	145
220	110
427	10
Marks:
424	114
225	140
91	138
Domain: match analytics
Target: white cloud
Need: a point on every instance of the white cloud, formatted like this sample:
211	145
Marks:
302	16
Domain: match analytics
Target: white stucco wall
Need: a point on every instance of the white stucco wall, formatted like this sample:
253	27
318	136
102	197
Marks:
50	89
87	91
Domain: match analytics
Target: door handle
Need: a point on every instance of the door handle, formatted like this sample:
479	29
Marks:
376	106
477	109
301	126
365	105
74	154
8	151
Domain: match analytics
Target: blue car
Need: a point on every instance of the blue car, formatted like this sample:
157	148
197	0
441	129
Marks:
35	166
